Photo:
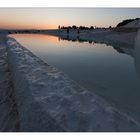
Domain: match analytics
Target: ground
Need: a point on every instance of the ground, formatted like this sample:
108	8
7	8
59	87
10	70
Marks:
8	117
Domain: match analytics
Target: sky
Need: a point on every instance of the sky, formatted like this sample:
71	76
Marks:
51	18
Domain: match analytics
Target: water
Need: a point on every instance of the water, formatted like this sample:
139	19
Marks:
110	72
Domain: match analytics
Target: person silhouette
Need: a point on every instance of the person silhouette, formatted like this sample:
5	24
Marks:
67	30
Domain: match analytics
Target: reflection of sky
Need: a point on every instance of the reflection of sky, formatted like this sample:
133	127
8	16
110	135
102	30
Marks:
42	18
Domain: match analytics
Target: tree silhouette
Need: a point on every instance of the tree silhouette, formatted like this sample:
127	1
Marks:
74	27
69	27
91	27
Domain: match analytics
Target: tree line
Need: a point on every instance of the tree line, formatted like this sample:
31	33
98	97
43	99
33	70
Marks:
80	27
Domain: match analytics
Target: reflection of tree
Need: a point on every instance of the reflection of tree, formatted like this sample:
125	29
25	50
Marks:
74	39
59	38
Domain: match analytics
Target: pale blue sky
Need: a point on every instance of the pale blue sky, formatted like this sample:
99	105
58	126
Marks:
43	18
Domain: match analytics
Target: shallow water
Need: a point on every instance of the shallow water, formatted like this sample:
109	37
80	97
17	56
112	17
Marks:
110	72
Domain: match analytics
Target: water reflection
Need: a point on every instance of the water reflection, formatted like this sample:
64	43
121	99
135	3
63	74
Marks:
108	70
75	39
132	51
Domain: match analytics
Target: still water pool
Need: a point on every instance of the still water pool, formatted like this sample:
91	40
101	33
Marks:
110	72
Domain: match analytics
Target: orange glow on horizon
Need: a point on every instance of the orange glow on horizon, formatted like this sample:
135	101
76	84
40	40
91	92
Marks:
17	26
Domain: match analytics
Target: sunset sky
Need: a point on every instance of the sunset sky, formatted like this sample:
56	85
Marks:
50	18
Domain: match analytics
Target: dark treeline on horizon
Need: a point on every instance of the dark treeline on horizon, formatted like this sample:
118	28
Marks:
74	27
81	27
124	22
